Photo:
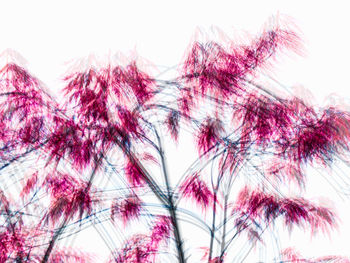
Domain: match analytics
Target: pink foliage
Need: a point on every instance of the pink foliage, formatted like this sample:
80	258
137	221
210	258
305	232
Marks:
217	71
209	135
161	230
141	84
286	171
8	245
111	109
129	122
68	197
206	255
196	189
141	248
30	184
13	243
16	78
230	159
291	255
30	134
136	250
295	211
134	174
321	138
83	88
24	109
127	209
172	123
68	140
264	120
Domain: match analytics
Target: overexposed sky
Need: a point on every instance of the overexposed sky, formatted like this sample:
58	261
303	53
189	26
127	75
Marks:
49	34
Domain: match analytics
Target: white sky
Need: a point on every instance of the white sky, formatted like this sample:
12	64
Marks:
48	34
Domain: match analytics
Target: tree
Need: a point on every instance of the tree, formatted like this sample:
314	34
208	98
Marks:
101	155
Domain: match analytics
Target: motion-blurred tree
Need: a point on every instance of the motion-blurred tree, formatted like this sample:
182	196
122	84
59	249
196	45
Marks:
94	158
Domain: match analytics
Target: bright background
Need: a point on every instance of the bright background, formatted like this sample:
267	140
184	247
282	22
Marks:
49	34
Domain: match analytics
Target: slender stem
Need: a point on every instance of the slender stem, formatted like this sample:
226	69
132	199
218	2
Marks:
216	188
54	239
177	235
146	176
171	207
234	236
224	230
223	239
212	231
